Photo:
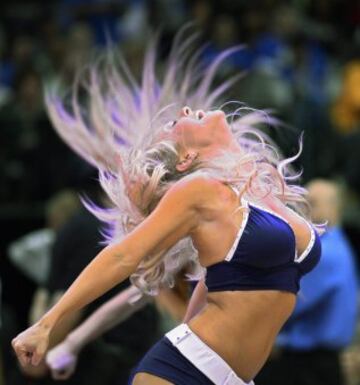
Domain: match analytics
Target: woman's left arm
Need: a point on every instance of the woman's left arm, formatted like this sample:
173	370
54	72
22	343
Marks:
175	217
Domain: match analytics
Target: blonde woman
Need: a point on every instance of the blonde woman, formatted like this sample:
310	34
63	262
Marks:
192	184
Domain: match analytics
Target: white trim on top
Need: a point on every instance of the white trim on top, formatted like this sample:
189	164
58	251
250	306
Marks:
306	252
232	250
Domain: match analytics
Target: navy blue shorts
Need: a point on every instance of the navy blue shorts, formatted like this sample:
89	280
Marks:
164	360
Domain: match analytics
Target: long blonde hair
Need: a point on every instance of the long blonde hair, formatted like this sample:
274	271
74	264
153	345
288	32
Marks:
118	128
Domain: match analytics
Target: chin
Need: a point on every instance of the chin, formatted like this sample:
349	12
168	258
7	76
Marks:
216	117
219	114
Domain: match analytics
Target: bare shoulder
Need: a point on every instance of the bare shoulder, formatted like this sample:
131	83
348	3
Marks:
196	188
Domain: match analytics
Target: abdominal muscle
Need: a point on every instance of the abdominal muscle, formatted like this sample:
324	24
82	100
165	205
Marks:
241	326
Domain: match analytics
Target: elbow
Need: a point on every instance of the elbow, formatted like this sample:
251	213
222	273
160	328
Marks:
124	259
125	264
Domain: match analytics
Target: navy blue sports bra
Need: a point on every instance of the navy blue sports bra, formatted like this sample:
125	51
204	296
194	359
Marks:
264	256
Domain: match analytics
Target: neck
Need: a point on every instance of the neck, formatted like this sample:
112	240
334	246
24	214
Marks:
215	150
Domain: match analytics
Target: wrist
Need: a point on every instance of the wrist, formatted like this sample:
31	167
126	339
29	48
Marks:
74	343
47	322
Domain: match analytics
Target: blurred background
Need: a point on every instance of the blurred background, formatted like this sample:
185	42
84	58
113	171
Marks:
301	58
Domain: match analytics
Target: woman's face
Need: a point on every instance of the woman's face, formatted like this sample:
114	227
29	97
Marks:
199	130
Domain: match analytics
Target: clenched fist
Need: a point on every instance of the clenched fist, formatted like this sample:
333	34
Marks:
30	346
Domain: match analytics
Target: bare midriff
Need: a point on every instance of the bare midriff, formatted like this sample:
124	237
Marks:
241	326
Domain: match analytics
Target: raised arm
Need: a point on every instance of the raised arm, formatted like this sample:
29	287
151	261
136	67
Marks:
62	358
175	217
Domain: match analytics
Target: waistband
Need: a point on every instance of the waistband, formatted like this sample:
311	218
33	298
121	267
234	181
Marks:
203	357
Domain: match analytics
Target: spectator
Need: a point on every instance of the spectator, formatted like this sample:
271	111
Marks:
31	252
101	15
26	139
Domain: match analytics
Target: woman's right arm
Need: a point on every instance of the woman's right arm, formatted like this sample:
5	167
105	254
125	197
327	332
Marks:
111	313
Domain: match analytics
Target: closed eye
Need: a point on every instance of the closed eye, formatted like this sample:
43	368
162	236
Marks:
168	126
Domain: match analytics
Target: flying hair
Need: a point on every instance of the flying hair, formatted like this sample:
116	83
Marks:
117	124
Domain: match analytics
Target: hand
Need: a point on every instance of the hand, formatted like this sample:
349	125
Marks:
62	360
30	345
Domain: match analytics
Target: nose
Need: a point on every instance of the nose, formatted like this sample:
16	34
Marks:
199	114
186	111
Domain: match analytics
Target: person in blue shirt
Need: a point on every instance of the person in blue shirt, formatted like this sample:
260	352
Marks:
323	323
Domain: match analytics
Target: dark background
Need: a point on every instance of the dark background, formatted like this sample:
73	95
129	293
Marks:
297	55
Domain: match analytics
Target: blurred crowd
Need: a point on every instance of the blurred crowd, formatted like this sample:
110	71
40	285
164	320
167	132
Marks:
300	58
